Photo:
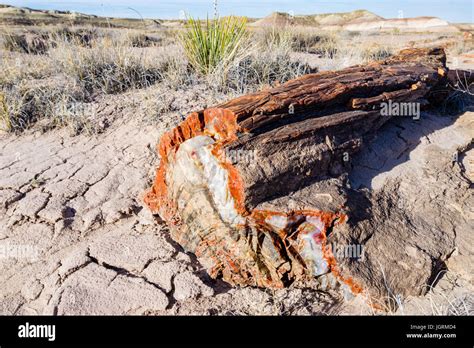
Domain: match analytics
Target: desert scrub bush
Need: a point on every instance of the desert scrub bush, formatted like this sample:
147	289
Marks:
351	34
78	115
108	67
214	44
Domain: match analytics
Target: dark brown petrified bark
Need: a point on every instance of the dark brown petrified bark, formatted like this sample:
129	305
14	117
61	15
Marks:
222	165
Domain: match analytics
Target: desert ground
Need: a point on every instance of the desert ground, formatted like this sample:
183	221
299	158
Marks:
83	104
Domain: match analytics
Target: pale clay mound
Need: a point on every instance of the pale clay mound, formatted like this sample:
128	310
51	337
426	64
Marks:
403	24
329	19
12	10
358	21
89	247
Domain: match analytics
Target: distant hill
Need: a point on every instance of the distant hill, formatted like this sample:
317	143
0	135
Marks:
420	23
26	13
360	20
325	19
11	15
345	18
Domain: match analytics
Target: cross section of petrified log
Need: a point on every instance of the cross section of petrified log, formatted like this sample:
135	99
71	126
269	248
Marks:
221	164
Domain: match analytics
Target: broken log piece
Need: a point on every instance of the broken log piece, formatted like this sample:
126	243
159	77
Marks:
221	164
324	93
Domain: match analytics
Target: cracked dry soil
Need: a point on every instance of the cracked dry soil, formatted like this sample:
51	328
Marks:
76	238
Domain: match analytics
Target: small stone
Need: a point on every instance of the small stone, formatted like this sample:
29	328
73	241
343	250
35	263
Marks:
145	217
162	273
189	286
31	291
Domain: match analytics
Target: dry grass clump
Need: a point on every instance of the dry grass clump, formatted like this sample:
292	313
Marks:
75	36
176	71
300	40
23	105
81	65
329	50
269	37
16	67
143	40
177	102
265	68
49	106
108	67
39	42
376	52
335	45
267	61
326	45
309	43
15	42
22	43
461	46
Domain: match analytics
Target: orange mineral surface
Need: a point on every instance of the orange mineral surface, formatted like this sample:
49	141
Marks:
298	239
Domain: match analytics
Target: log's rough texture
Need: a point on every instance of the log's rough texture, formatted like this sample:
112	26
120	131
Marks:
232	210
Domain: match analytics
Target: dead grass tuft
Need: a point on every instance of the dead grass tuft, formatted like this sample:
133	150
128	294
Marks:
22	43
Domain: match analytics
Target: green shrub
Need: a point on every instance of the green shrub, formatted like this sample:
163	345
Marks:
216	43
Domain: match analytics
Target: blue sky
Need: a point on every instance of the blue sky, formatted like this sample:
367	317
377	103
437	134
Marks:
451	10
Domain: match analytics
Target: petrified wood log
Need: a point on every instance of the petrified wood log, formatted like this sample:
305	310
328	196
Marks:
221	165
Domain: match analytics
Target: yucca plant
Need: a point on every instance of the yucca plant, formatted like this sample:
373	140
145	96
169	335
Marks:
213	44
